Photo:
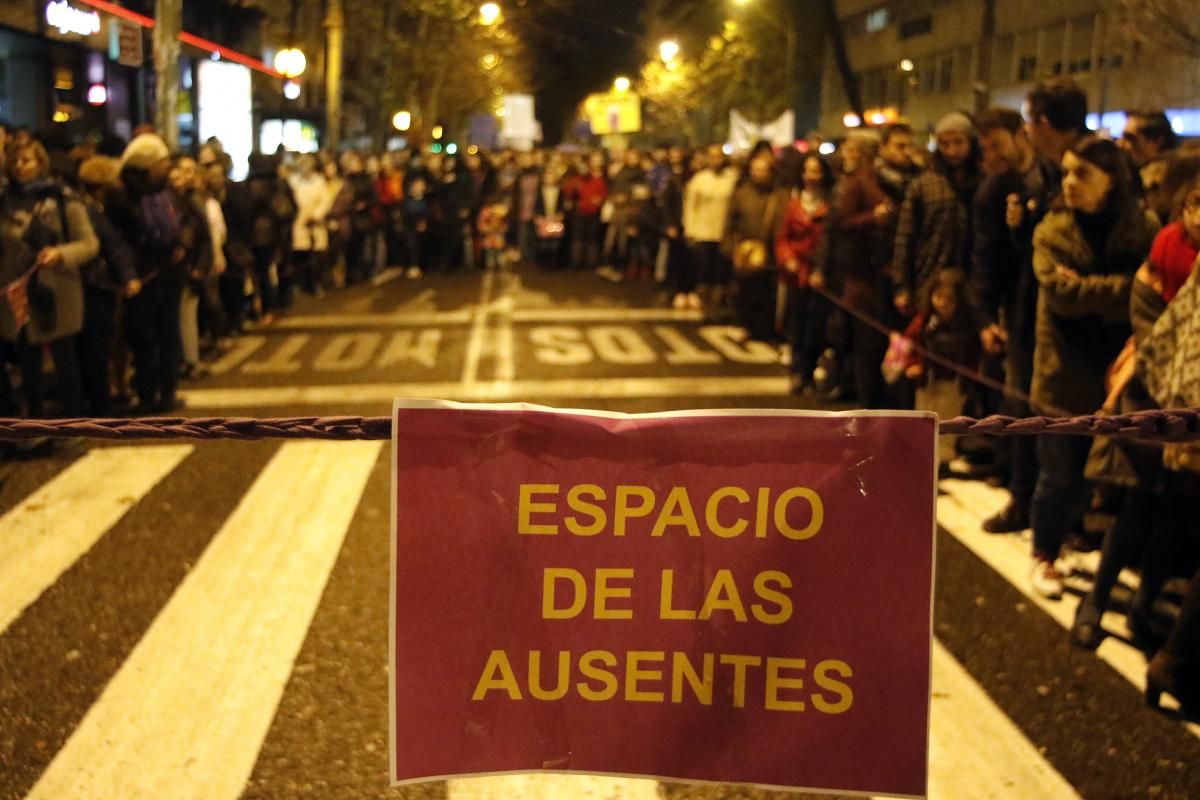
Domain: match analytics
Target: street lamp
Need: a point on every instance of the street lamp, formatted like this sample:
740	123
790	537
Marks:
291	89
402	121
290	62
489	14
668	49
621	84
907	65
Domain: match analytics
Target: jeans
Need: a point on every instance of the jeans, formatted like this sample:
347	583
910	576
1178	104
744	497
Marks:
585	242
1062	493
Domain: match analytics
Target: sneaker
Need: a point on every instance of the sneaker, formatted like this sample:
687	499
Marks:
414	273
679	302
1045	579
1009	519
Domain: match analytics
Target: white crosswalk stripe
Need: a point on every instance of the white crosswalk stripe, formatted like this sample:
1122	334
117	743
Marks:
47	532
961	512
188	710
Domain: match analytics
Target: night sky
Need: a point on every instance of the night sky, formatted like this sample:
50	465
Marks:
579	48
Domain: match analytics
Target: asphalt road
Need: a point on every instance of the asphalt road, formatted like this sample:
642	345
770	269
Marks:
121	566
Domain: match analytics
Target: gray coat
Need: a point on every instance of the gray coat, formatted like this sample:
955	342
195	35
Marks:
1083	324
47	216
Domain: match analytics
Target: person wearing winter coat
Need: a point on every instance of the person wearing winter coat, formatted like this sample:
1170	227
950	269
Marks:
1085	256
106	280
1150	486
259	213
705	216
756	213
934	227
796	250
855	251
586	197
310	235
146	217
50	238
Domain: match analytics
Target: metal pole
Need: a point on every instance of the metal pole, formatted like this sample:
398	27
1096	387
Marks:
335	22
168	21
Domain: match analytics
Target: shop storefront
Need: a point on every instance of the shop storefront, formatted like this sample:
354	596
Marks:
72	66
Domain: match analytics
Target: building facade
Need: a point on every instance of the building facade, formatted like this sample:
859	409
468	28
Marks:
83	69
918	59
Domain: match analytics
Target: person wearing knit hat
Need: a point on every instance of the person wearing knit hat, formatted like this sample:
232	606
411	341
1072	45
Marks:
955	121
933	230
145	215
146	152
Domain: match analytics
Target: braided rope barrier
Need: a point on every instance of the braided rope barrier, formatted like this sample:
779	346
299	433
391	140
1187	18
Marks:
1178	425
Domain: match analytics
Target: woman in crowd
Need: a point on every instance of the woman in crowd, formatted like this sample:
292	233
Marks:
310	236
756	212
1161	490
146	217
50	237
198	264
796	251
105	280
1085	256
856	250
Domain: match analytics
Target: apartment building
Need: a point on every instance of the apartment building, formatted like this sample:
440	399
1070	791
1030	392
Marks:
919	58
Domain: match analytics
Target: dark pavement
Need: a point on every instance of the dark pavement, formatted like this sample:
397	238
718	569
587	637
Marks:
565	339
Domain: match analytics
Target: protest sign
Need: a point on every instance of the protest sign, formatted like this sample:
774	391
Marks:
711	596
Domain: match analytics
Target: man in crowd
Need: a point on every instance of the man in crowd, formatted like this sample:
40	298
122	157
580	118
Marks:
896	165
1004	291
934	229
1149	139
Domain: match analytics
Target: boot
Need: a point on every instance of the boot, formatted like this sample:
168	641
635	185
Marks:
1168	673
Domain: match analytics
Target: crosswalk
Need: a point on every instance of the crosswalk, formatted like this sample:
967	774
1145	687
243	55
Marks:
189	707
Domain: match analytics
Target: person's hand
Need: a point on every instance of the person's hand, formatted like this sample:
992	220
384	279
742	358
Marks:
792	265
903	300
914	371
1014	214
1064	273
133	287
993	338
817	280
883	211
49	258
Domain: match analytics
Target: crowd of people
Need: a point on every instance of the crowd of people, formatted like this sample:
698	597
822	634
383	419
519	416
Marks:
1019	251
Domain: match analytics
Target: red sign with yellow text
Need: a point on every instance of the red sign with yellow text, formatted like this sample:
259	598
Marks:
726	596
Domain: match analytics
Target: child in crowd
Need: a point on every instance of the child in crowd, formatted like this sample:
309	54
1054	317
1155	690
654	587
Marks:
943	327
493	231
416	225
642	230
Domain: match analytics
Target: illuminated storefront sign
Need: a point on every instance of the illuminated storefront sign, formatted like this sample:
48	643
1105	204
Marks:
70	20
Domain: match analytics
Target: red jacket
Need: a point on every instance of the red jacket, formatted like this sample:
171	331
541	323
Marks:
799	240
590	193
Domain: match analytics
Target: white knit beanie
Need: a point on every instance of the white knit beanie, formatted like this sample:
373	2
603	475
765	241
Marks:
144	151
956	122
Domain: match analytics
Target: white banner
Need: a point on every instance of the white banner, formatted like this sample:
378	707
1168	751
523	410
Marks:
743	134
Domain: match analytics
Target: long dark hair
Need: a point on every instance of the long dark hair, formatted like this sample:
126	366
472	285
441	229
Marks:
1114	162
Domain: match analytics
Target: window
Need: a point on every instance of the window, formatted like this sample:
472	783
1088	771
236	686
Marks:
877	20
946	73
916	27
